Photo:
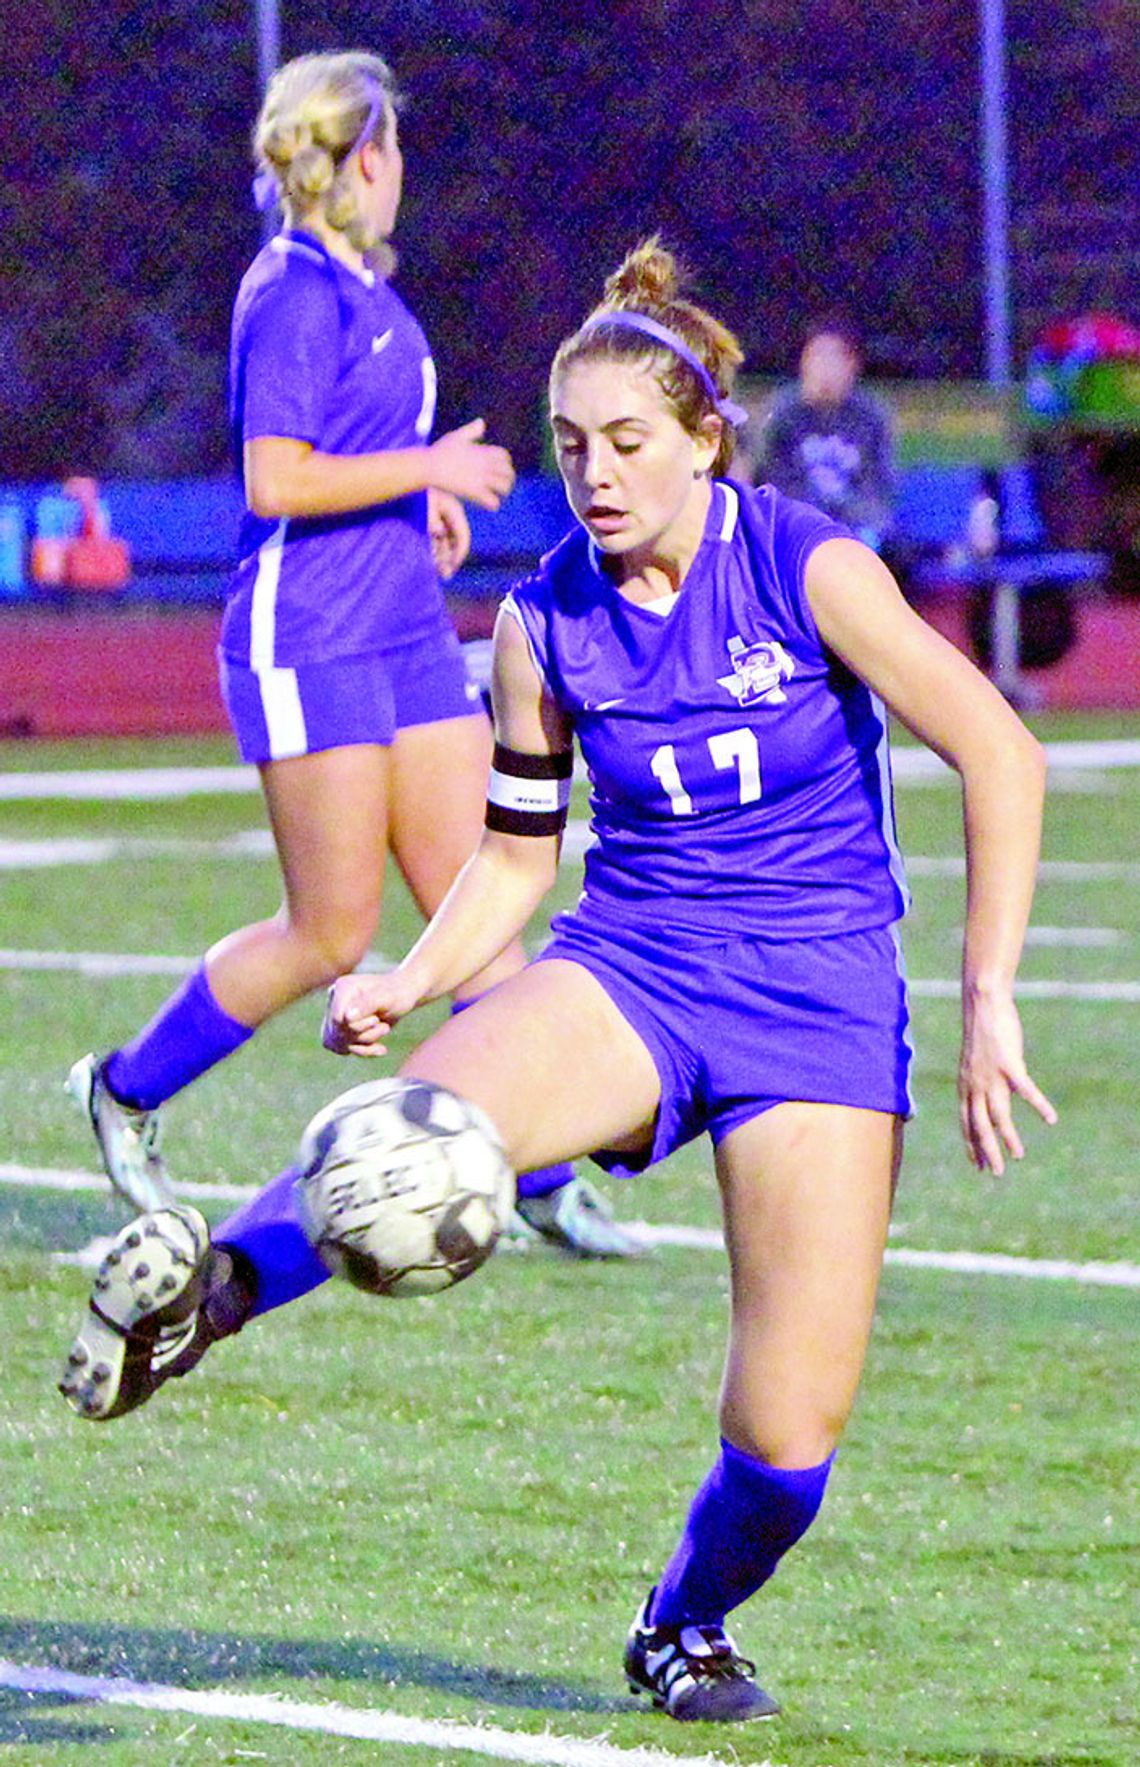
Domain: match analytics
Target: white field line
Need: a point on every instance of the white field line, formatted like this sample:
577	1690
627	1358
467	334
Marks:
364	1723
907	764
99	964
126	963
73	1179
701	1239
120	783
257	843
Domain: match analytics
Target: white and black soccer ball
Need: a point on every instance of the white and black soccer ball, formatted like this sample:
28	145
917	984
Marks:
403	1187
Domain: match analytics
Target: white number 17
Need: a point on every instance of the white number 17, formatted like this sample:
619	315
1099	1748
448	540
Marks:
729	748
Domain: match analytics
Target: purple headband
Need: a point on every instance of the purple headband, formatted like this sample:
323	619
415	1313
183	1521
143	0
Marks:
265	186
629	321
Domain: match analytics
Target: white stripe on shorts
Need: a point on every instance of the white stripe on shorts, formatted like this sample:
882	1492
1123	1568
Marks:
284	713
263	609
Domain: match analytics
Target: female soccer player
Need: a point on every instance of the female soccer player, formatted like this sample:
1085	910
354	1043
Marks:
723	656
341	671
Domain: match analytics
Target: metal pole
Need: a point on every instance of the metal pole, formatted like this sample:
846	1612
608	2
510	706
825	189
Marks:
995	193
268	41
268	56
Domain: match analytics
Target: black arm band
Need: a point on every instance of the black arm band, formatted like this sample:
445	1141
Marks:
529	794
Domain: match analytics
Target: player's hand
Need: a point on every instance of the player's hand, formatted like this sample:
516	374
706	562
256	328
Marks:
467	466
991	1071
362	1010
449	532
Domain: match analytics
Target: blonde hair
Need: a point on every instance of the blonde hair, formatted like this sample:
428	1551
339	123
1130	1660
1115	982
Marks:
313	118
650	281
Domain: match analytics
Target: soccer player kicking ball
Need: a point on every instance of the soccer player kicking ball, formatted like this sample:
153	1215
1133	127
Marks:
722	656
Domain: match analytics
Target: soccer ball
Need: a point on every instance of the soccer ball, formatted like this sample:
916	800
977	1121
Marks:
403	1187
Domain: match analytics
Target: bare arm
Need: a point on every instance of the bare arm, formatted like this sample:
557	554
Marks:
494	895
286	477
939	695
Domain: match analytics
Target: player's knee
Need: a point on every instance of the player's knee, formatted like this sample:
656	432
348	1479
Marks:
793	1436
333	947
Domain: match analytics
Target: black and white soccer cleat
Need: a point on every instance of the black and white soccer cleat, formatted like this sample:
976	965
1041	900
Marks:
695	1673
162	1296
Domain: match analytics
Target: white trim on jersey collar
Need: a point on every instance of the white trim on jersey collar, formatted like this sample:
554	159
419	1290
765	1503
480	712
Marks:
729	518
282	243
312	249
731	509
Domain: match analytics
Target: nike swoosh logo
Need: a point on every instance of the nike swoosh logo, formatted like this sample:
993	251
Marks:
604	705
378	343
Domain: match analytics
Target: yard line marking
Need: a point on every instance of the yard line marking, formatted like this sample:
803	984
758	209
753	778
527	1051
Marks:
71	1179
126	963
1100	1274
1048	870
907	764
1076	936
257	843
99	964
121	783
20	855
364	1723
950	988
702	1239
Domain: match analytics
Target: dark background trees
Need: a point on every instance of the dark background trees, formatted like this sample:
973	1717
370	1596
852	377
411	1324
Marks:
796	156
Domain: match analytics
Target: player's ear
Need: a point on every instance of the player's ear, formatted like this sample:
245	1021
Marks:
706	443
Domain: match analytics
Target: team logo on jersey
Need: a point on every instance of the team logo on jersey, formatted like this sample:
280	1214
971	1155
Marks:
757	671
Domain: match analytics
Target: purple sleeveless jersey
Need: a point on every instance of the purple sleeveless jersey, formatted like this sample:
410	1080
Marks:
323	355
740	774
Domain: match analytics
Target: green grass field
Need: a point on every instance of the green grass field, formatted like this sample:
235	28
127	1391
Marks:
449	1509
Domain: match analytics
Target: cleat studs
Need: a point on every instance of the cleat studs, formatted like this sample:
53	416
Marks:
99	1374
102	1282
140	1272
133	1240
168	1282
77	1357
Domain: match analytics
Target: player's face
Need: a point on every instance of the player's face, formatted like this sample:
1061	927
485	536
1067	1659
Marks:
634	476
384	174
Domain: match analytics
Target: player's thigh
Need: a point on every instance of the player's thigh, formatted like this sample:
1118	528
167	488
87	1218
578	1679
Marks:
806	1192
553	1063
438	802
329	816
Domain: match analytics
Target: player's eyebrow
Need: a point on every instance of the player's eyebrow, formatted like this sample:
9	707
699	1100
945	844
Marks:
560	422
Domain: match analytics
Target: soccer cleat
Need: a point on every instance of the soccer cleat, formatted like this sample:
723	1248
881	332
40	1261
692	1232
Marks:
578	1219
162	1296
127	1137
695	1673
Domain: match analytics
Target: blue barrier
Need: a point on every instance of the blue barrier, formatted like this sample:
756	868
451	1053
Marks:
183	533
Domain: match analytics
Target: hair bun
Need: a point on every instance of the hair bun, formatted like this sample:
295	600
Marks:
649	276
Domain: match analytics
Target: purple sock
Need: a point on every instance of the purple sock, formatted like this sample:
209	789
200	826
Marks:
187	1035
267	1231
743	1519
547	1178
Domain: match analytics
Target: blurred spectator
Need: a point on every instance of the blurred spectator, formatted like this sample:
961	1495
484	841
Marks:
827	440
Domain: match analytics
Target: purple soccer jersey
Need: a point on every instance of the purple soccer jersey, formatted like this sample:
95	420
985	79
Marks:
740	775
332	358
